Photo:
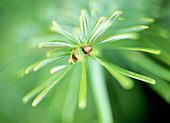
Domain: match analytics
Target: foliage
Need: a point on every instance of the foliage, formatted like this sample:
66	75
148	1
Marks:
84	83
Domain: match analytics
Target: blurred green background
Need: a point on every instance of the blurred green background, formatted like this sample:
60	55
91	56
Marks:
25	23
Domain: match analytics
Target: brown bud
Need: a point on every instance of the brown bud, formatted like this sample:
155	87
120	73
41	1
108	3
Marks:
74	59
87	49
